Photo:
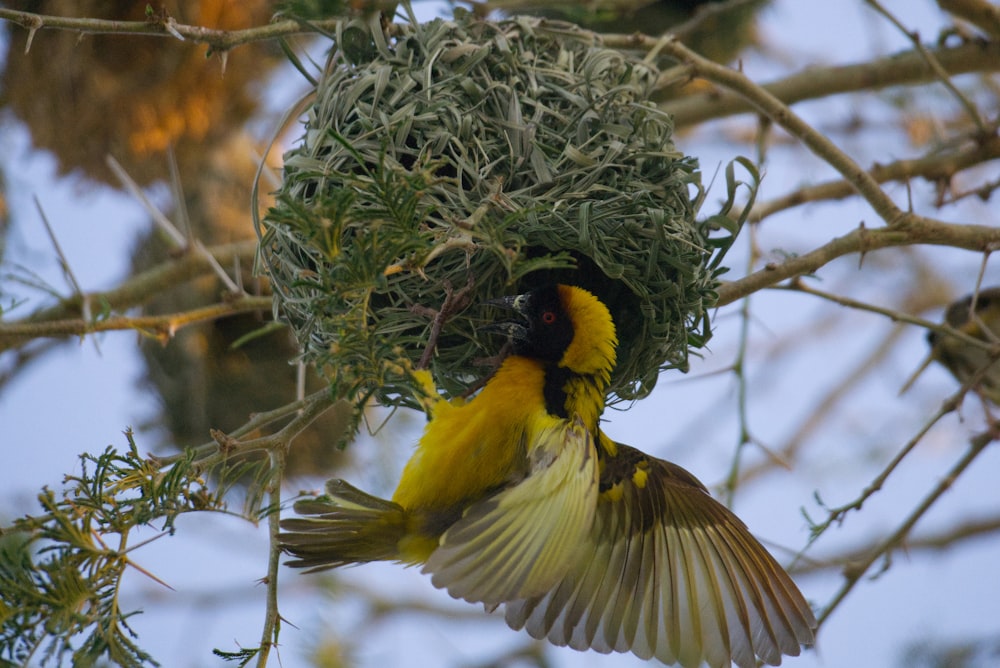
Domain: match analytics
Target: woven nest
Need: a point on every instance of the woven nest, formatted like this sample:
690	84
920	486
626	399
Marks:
506	154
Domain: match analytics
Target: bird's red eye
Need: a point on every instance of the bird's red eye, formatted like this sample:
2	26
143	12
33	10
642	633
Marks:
548	317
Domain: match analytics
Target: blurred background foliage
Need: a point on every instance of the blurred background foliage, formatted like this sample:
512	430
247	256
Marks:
167	97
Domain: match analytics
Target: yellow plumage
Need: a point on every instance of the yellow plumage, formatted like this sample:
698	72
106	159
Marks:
516	497
476	446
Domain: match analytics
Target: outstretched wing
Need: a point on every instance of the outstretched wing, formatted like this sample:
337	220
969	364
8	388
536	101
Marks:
668	572
521	541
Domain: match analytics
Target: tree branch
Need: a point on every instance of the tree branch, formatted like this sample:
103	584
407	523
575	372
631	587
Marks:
165	26
885	548
272	617
911	229
907	68
980	13
773	108
225	446
942	540
967	339
17	333
932	63
942	166
137	289
902	228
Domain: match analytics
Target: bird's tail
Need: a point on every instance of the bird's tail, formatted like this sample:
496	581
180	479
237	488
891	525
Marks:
344	526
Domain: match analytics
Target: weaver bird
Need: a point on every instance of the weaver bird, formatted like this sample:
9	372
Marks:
963	359
516	497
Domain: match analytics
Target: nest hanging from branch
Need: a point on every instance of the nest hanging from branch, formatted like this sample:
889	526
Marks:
507	154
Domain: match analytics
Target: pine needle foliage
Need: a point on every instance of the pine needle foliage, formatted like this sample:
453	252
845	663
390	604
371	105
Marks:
499	155
61	569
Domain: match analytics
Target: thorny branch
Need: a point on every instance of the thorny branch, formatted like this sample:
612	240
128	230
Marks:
933	65
916	230
907	68
937	167
67	317
219	41
884	550
849	559
161	326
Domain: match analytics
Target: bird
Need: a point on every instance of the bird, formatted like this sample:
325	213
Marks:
517	497
963	359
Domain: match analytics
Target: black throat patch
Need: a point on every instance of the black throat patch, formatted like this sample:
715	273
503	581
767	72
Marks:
555	390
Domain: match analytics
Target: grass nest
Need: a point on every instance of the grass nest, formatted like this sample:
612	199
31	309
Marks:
493	154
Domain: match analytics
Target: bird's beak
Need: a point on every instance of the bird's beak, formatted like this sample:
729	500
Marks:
513	329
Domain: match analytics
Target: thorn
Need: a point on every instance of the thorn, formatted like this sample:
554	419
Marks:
913	377
149	574
169	25
31	38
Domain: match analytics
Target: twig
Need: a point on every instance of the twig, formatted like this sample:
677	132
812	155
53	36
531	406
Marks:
66	269
124	549
912	229
894	315
272	617
16	333
980	13
817	416
777	111
932	542
837	514
906	68
933	167
21	360
977	444
228	445
454	301
934	65
164	223
983	192
139	288
739	368
180	203
63	262
951	404
319	400
217	40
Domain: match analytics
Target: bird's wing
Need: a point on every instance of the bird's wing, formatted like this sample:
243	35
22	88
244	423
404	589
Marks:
668	572
520	541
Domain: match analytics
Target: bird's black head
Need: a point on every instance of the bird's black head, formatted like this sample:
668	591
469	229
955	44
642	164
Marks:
543	329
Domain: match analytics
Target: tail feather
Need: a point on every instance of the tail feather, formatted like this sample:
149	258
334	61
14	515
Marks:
344	526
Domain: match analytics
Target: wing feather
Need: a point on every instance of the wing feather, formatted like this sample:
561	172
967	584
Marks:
668	572
522	540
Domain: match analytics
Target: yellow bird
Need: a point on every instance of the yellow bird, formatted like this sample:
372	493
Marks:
962	359
516	497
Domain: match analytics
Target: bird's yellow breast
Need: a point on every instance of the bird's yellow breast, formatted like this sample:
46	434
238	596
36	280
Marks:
471	448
